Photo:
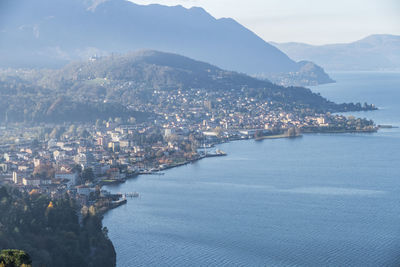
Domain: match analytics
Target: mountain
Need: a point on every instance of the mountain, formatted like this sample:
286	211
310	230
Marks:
126	78
127	86
375	52
23	99
51	33
149	69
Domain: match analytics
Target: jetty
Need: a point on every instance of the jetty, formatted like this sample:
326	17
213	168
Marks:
130	195
217	153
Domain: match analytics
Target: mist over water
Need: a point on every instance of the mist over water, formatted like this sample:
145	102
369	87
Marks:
318	200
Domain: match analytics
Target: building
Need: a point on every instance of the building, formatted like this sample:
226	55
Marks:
59	154
84	190
31	181
168	132
210	133
100	141
45	182
114	146
124	143
72	177
321	120
80	159
115	174
3	167
17	178
36	162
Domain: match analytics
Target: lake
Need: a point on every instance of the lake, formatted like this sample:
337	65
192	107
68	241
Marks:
317	200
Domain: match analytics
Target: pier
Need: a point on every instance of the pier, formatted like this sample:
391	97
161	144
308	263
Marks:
130	195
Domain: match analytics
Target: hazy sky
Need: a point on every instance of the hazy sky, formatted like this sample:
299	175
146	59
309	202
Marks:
310	21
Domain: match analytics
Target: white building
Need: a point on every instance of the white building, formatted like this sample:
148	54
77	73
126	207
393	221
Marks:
16	177
31	181
80	159
72	177
59	154
84	190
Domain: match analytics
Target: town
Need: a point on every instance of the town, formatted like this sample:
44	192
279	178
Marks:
185	126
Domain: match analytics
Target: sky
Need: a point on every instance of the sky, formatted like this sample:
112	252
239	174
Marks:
308	21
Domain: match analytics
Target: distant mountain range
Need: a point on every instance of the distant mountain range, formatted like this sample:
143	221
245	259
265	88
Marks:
51	33
375	52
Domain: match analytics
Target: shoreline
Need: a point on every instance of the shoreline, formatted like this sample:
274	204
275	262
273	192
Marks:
219	144
377	129
122	201
158	171
103	210
277	136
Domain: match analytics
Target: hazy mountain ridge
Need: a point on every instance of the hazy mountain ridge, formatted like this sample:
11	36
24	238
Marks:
50	33
375	52
309	74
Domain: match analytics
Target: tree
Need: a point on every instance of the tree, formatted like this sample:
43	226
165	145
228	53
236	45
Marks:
54	133
71	129
35	143
50	232
84	134
132	120
14	258
88	175
258	134
77	168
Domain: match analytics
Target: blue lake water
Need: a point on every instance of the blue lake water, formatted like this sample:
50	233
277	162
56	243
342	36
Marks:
318	200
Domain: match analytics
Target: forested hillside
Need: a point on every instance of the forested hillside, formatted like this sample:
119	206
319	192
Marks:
119	86
50	231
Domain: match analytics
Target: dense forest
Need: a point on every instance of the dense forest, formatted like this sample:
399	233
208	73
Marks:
23	101
51	232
